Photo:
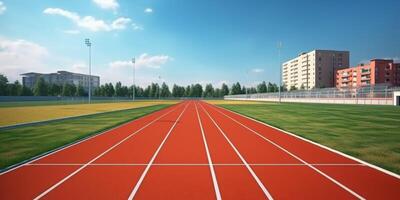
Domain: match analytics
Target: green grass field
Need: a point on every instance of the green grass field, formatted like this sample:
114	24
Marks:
371	133
25	114
26	142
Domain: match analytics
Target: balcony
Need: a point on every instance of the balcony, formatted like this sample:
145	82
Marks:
345	80
364	78
365	71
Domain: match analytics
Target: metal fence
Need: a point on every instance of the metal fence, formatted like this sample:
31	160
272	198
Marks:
362	95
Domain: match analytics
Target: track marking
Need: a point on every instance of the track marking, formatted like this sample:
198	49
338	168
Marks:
136	188
51	152
97	157
191	164
241	158
214	178
296	157
319	145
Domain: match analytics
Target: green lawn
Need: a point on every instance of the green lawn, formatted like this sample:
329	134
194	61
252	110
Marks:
371	133
26	142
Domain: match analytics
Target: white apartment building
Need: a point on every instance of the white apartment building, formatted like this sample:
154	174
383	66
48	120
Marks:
315	69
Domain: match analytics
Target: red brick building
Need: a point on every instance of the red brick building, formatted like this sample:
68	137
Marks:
379	71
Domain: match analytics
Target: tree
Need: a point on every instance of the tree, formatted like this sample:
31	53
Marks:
40	88
236	89
54	89
217	93
208	91
26	91
118	91
68	90
292	88
275	87
302	87
262	87
188	91
80	92
196	90
3	85
165	90
146	92
109	90
15	89
224	90
154	90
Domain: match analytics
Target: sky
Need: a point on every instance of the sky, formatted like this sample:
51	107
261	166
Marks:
189	41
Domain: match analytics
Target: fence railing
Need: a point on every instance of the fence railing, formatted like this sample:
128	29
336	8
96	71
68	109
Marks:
361	95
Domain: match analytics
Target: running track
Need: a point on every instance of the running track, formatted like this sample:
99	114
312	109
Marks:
194	150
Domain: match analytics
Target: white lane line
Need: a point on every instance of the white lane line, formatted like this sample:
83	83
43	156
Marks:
214	178
267	194
294	156
136	188
51	152
319	145
194	164
97	157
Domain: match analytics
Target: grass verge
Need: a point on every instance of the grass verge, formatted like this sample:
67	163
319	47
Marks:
23	143
370	133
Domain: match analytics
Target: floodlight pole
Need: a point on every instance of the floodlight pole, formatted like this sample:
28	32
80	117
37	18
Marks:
133	87
89	44
159	88
280	70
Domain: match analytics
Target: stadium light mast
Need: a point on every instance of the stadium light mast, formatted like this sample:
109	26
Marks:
89	44
133	86
159	88
280	69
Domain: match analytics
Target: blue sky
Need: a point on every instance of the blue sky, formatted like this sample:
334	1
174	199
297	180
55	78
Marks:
185	42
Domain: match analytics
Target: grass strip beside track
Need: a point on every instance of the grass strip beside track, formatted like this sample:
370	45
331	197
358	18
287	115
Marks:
27	114
24	143
370	133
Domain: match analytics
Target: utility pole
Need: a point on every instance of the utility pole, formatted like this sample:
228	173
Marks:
280	69
89	44
133	86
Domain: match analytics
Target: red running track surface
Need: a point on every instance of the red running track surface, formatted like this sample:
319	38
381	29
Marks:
194	150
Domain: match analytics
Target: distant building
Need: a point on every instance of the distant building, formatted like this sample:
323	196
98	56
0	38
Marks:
60	78
379	71
315	69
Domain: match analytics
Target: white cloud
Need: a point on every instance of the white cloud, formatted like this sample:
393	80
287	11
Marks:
148	10
120	23
21	56
72	32
144	61
89	22
120	64
58	11
107	4
148	61
3	8
137	27
257	70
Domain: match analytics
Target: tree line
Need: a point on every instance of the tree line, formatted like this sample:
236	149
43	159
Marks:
154	90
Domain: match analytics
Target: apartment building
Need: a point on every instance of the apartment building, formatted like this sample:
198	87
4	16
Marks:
379	71
315	69
60	78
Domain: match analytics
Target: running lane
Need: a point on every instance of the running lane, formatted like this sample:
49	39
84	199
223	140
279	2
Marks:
235	181
369	182
34	178
283	175
180	169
